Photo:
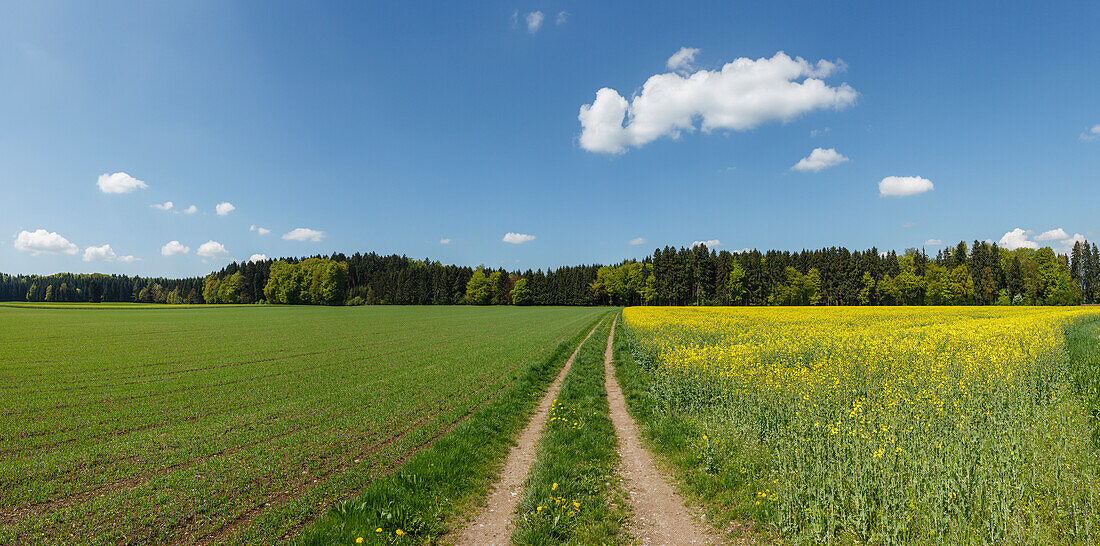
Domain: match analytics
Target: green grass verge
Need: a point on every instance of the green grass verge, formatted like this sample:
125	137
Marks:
573	493
1083	350
676	439
418	502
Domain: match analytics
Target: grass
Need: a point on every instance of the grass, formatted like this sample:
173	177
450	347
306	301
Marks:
238	424
573	494
899	425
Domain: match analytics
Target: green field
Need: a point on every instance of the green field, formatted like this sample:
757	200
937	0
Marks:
217	424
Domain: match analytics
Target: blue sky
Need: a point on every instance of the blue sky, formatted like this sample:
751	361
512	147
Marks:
393	127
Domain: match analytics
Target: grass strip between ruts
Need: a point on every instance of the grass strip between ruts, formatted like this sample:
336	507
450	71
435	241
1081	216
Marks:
418	502
573	492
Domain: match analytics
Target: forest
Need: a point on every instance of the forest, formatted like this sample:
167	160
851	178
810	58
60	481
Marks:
978	274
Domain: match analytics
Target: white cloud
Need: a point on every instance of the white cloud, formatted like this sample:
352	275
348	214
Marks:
1016	238
258	229
211	249
191	210
517	238
636	241
909	224
304	234
742	251
257	258
1019	238
902	186
99	254
534	21
1067	244
818	160
105	254
174	248
933	242
224	208
41	241
818	132
681	60
167	205
563	16
710	244
119	183
445	240
1091	134
742	95
1053	235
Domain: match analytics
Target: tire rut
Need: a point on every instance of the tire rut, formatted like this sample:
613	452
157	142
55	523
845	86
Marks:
660	516
493	524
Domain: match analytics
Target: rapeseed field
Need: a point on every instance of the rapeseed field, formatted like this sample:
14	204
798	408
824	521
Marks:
899	425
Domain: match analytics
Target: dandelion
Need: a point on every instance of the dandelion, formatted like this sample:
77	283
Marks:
378	530
554	487
359	540
399	533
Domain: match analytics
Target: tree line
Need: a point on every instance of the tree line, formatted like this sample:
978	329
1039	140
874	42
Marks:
976	274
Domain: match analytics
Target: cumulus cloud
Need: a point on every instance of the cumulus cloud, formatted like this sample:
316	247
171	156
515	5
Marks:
167	205
105	254
1020	238
517	238
1091	134
119	183
534	21
1017	238
41	241
636	241
257	258
563	16
902	186
740	96
224	208
211	249
681	60
1060	235
304	234
258	229
174	248
818	160
710	244
445	240
1053	235
99	254
191	210
933	242
1068	243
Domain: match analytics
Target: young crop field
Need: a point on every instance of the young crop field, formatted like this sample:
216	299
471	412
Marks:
898	425
242	424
